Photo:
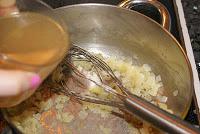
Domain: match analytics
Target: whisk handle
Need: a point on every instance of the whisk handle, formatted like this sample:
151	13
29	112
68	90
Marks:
159	118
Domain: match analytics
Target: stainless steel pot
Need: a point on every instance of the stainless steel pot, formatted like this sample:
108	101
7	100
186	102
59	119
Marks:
122	33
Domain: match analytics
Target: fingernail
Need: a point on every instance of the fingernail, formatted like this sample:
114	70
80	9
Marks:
35	81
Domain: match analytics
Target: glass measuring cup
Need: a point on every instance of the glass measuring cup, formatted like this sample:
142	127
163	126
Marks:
32	39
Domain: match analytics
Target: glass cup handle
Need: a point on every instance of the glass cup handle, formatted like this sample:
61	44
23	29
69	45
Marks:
165	16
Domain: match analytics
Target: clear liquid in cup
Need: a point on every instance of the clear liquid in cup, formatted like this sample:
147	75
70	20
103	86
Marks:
30	42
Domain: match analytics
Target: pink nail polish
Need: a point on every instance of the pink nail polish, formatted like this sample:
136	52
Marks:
35	81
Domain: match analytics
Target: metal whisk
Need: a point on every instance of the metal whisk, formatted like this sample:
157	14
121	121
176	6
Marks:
123	98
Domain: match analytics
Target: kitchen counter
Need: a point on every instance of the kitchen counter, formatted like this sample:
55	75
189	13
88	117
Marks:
192	15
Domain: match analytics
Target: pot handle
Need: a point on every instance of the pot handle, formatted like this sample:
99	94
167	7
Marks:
165	16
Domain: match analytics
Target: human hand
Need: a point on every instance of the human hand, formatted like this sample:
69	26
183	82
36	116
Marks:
15	86
13	83
7	7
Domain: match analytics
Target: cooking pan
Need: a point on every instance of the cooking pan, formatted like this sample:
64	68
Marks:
123	33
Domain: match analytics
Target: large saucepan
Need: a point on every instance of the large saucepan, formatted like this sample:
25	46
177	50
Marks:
123	33
120	32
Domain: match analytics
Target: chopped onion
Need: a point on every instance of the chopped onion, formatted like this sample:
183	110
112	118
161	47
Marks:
175	93
162	99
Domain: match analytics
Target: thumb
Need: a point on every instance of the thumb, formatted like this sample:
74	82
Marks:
7	7
15	82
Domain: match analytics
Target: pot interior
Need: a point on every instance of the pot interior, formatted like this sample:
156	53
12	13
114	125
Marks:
121	33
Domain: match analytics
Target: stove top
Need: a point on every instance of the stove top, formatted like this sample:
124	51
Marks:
150	11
